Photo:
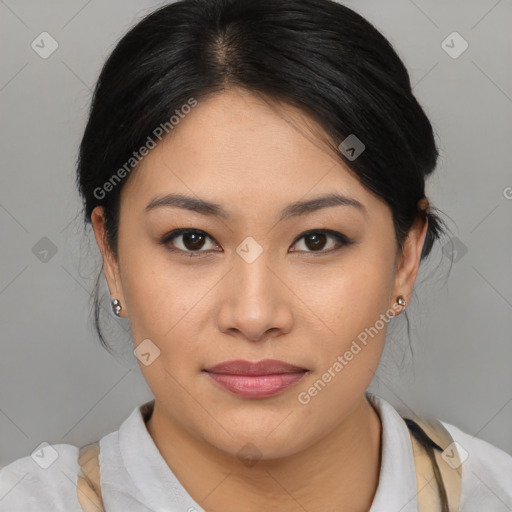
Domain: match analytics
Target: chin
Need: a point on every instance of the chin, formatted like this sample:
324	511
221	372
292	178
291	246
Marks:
249	442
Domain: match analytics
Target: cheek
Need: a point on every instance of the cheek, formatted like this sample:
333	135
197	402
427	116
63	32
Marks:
354	304
168	303
153	292
356	295
349	352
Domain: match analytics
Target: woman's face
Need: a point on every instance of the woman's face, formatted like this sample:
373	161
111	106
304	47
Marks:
253	287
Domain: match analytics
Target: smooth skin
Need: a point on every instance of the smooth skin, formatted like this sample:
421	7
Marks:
299	301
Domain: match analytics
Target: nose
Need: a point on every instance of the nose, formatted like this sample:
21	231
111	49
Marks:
256	302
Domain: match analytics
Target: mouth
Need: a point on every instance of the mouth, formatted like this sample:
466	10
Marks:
261	379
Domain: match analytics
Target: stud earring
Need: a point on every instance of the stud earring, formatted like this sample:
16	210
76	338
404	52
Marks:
400	300
116	307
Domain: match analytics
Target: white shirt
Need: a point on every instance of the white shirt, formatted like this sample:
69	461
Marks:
136	478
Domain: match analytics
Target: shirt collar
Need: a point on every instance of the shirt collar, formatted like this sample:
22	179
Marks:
397	478
160	488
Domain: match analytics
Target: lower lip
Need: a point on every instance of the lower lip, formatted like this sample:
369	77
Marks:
256	386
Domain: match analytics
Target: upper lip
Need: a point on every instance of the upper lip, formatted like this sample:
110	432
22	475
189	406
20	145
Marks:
263	367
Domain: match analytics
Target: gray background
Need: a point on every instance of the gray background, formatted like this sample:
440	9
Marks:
58	385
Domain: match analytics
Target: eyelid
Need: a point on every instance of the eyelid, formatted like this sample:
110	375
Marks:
339	237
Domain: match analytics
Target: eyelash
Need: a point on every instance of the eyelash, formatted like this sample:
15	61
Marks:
339	237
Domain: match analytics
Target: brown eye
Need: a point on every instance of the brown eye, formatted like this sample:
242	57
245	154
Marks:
192	241
315	241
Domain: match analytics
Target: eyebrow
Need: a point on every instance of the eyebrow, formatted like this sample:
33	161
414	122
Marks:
296	209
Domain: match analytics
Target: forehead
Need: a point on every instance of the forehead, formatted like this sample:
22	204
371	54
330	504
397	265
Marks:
236	148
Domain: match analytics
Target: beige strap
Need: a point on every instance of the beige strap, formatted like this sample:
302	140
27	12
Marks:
88	485
429	498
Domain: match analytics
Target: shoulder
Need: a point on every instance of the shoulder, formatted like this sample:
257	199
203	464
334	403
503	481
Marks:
43	481
486	472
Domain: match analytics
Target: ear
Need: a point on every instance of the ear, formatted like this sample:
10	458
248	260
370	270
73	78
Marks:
409	258
110	264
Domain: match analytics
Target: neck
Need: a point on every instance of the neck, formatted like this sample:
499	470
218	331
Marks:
341	468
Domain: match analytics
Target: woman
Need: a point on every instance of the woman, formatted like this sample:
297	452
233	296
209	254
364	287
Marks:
254	173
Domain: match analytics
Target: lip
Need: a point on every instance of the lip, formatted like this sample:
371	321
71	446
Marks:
259	379
263	367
